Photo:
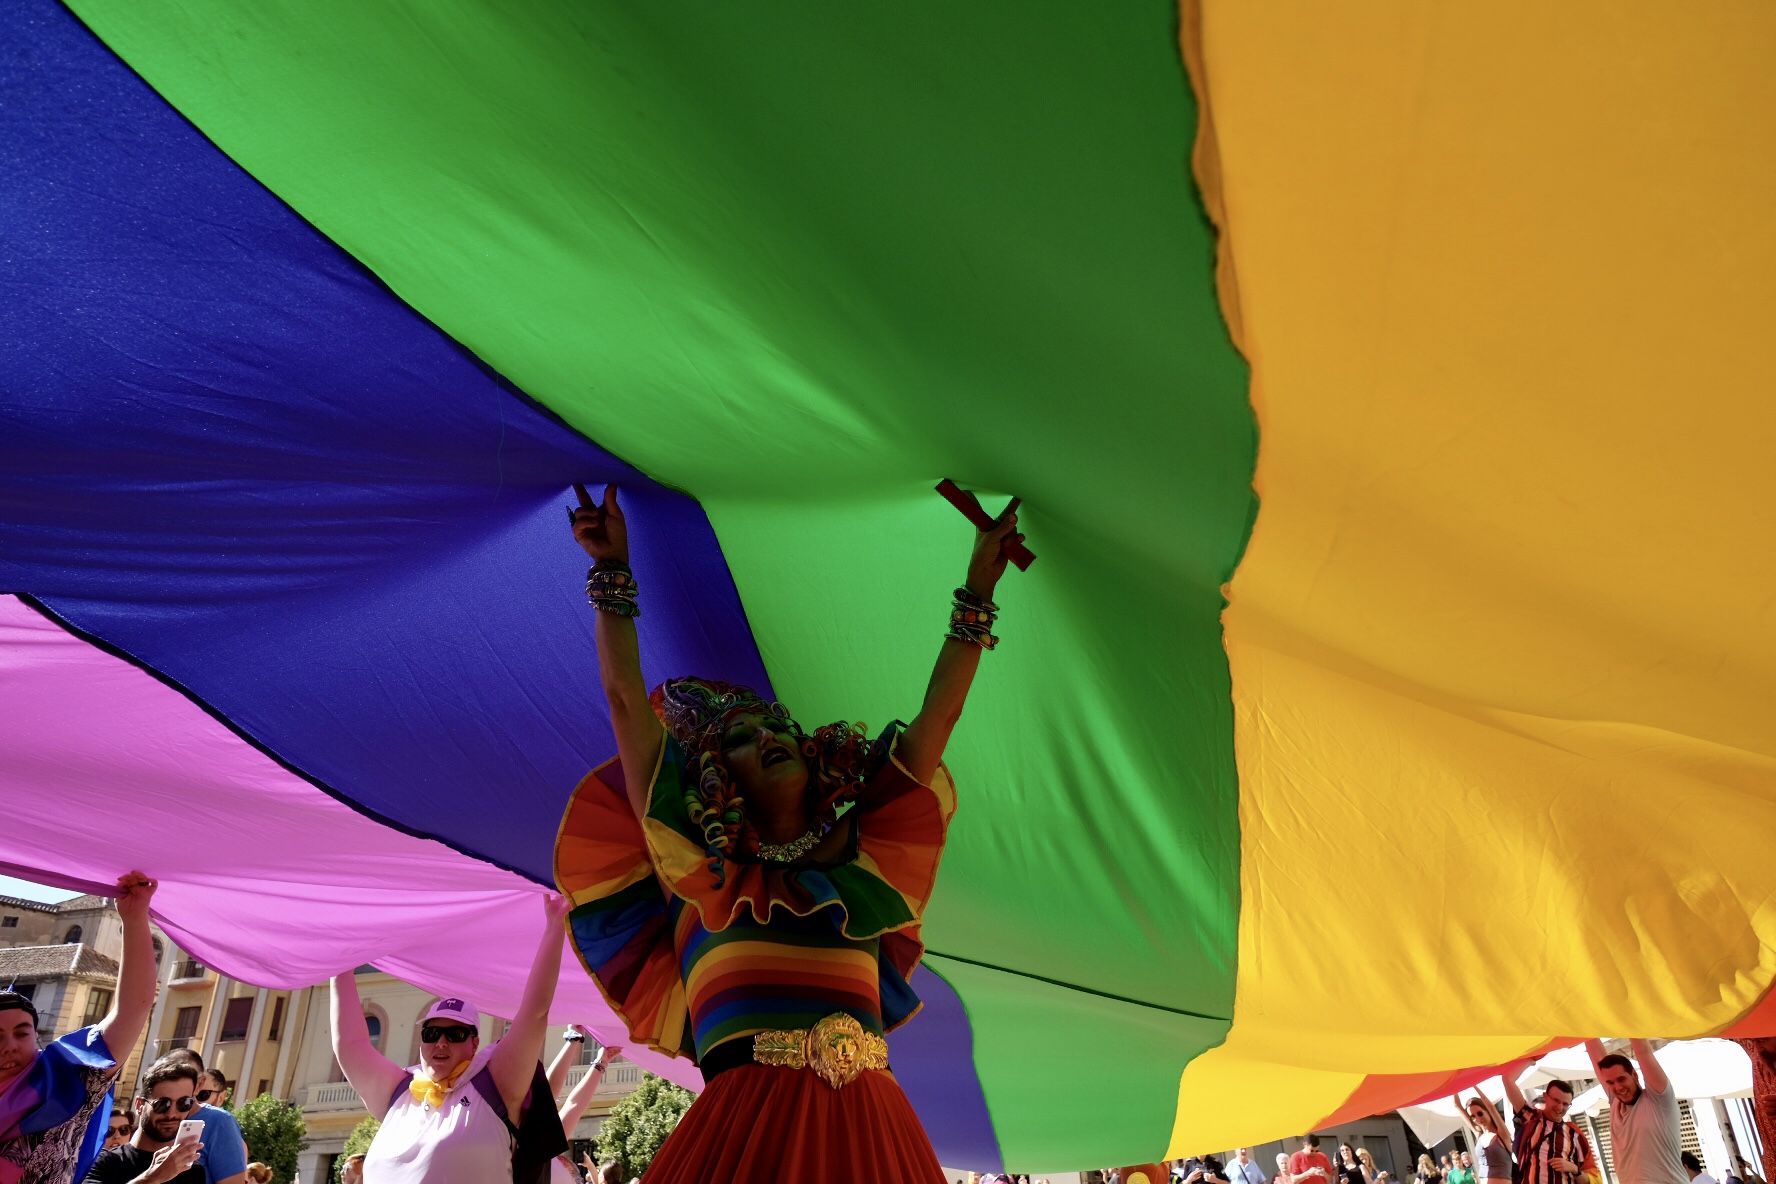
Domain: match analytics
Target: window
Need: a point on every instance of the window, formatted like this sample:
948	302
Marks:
185	1028
236	1017
158	951
9	922
72	938
374	1023
28	990
264	1087
277	1020
588	1052
98	1003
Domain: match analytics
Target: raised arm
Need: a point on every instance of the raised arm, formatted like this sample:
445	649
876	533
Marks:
373	1075
123	1024
1595	1050
1651	1071
515	1057
1513	1095
564	1059
601	531
574	1105
926	737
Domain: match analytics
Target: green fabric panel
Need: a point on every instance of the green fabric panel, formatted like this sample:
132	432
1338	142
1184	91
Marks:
1102	1073
804	260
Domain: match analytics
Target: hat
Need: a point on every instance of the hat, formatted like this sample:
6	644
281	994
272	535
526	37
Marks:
453	1009
693	709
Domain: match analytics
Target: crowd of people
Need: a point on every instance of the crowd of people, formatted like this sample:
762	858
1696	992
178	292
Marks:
1542	1145
469	1112
704	868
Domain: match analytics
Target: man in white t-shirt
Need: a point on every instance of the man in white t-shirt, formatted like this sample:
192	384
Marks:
1693	1166
439	1125
1644	1124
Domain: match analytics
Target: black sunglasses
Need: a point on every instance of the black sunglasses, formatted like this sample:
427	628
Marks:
204	1095
182	1105
455	1034
120	1128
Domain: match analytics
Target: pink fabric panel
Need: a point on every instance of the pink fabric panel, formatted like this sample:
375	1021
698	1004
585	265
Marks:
103	769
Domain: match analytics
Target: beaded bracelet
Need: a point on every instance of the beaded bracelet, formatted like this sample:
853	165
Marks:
611	588
972	618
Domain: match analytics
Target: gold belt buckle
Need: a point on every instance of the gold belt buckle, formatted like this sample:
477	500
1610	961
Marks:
838	1048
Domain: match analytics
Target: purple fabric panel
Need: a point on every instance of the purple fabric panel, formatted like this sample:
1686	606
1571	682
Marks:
933	1058
228	451
262	875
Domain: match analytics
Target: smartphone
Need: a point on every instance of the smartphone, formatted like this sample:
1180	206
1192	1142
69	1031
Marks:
190	1131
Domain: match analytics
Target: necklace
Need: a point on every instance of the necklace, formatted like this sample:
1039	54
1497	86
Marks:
792	850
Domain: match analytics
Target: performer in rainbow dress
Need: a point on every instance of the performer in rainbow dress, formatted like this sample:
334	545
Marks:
748	893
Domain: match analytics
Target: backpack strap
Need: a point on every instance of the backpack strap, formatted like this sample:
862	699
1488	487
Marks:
483	1083
406	1080
536	1140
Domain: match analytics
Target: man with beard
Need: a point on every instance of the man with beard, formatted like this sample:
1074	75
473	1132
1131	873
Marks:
152	1156
224	1159
54	1101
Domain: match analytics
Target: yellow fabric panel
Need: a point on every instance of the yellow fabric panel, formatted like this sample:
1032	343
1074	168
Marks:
1504	641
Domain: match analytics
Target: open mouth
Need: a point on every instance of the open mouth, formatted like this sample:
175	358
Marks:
772	757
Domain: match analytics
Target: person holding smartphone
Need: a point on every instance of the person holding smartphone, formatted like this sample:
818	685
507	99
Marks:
167	1142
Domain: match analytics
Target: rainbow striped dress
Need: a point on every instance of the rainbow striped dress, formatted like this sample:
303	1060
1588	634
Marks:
692	965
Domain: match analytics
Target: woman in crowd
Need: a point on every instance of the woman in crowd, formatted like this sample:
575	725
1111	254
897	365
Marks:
1492	1148
120	1128
748	892
1427	1171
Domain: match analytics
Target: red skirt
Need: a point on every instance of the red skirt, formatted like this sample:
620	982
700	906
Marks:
770	1125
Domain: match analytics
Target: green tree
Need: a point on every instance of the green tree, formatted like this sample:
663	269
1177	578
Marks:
276	1134
640	1123
356	1143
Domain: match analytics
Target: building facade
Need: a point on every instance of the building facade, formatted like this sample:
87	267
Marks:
65	958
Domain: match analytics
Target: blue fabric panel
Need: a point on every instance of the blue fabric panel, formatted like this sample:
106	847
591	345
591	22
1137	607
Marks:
227	451
933	1059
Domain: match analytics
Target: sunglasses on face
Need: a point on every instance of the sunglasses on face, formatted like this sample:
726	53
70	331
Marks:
117	1129
455	1034
182	1105
204	1095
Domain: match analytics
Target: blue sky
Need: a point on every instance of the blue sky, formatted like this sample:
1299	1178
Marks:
30	891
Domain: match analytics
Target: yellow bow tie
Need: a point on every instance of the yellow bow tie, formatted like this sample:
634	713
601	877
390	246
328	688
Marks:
431	1091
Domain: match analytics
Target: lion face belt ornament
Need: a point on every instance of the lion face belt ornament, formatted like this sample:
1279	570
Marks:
838	1048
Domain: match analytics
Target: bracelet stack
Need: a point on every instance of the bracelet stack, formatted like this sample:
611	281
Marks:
971	619
611	588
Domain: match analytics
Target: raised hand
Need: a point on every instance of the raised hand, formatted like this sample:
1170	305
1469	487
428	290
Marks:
987	563
599	528
134	891
555	910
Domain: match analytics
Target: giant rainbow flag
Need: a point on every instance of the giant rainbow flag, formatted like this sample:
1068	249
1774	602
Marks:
1388	384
